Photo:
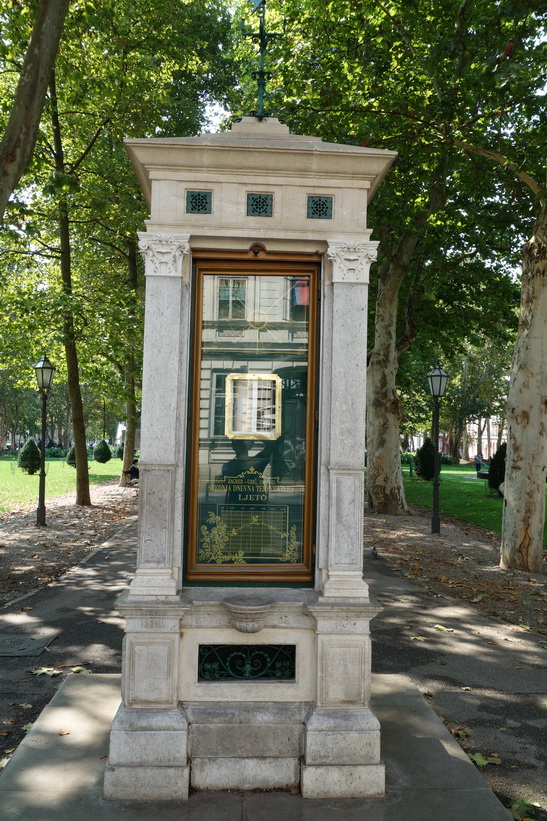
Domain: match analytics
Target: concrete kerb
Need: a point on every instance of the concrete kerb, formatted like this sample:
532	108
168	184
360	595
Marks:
57	771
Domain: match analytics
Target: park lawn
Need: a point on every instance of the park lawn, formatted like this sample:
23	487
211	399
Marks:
18	489
461	495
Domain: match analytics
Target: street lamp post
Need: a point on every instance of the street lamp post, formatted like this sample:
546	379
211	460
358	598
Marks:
44	371
437	386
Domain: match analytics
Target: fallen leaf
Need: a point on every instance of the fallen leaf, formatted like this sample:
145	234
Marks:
481	761
521	809
46	671
27	727
64	732
444	629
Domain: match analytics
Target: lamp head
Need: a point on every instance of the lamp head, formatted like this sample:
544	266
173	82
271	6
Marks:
437	382
44	371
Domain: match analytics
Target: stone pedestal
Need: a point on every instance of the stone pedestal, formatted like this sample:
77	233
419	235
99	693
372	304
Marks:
176	729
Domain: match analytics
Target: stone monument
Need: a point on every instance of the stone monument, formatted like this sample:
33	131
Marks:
246	660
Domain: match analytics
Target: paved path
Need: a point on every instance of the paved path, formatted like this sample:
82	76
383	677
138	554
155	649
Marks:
486	677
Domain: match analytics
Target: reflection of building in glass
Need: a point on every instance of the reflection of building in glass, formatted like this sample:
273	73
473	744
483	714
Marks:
231	298
253	417
258	325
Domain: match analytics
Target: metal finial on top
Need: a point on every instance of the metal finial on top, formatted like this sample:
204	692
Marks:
262	37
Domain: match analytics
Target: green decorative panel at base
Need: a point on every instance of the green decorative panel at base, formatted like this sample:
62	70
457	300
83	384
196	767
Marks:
247	662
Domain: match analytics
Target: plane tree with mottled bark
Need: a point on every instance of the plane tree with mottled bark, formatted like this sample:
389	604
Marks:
448	85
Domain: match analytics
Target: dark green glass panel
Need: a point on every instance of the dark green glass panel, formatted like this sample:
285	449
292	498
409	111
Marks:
259	205
320	208
199	202
247	662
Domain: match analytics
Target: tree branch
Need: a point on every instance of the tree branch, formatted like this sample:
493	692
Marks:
501	160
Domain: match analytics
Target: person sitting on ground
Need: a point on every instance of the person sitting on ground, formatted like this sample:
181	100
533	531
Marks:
133	471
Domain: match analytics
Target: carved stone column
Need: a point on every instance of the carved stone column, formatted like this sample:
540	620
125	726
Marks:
167	263
342	748
343	414
148	757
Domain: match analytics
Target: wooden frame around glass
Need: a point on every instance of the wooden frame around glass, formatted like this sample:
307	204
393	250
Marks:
252	264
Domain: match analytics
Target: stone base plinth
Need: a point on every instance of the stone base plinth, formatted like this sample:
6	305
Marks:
245	773
181	728
148	759
146	783
364	781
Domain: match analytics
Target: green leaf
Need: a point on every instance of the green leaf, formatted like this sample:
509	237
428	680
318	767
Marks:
481	761
521	809
27	727
46	671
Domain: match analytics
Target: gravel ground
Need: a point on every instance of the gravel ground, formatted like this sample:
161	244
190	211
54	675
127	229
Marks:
461	562
33	557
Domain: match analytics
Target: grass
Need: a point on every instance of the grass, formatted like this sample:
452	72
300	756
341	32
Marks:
461	495
18	489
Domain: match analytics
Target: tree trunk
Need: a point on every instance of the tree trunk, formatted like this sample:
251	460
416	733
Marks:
19	139
384	475
385	490
459	435
499	439
73	373
526	462
131	404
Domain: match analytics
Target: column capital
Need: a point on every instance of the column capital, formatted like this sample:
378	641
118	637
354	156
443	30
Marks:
163	253
351	261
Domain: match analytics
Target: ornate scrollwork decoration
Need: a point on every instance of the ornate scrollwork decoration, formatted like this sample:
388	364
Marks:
351	262
163	254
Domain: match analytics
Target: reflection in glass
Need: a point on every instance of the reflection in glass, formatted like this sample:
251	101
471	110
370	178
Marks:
251	453
253	406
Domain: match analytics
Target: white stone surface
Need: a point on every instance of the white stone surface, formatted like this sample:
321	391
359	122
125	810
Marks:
365	781
245	773
342	737
146	783
150	669
246	740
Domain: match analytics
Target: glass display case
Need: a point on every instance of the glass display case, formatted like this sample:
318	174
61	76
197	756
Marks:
252	439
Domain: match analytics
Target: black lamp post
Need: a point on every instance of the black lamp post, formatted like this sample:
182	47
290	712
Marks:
437	386
44	371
